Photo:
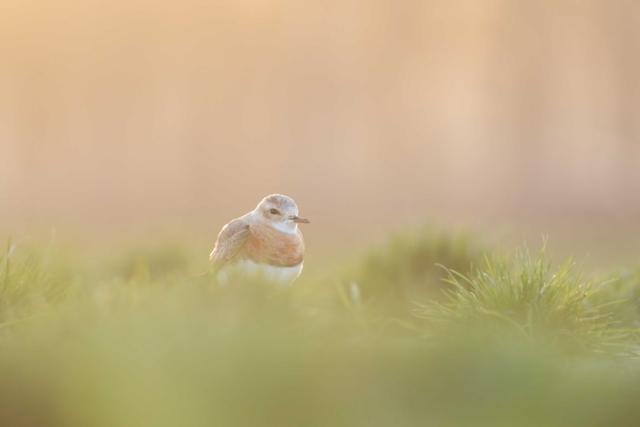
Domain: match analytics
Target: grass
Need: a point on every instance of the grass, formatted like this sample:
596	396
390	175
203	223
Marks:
147	338
406	269
525	297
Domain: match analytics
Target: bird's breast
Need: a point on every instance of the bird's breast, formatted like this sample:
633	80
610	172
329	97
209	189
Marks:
267	245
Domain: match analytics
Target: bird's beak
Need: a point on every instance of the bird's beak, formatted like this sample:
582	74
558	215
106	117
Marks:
299	220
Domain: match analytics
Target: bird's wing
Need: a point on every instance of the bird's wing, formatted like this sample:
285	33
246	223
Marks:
230	241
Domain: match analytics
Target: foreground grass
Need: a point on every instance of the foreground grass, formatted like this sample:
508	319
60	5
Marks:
147	338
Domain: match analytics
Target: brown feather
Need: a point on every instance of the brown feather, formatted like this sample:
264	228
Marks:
271	246
231	241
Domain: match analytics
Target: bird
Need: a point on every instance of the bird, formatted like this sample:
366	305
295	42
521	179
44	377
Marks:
265	244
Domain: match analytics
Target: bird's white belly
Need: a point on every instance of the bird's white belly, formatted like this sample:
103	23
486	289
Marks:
252	270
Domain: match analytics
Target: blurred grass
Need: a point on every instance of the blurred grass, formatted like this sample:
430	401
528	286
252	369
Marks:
408	268
145	337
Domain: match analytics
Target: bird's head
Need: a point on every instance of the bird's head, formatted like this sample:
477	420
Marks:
281	212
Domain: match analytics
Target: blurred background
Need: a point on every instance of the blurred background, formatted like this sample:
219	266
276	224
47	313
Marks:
415	134
137	116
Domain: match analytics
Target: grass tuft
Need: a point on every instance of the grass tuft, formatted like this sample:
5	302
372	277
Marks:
524	296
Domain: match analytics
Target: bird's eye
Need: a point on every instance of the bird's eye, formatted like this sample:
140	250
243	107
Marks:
274	212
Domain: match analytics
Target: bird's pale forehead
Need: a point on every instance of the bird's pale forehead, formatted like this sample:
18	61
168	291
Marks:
280	201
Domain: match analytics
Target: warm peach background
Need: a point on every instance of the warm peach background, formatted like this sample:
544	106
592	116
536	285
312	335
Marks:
120	114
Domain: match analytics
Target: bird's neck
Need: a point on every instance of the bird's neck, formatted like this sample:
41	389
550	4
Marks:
288	227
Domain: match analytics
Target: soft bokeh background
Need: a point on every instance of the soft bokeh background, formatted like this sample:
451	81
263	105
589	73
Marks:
133	116
130	131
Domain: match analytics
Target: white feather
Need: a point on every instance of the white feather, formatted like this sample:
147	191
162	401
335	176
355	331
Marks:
252	270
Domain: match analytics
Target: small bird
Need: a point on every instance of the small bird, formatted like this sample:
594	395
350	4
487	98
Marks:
264	243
